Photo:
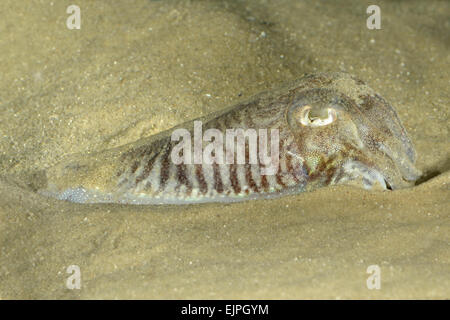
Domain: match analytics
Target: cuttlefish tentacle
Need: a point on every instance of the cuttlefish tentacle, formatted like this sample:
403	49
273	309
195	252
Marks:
323	129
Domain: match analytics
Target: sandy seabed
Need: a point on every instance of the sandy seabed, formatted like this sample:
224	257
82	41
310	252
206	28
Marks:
136	68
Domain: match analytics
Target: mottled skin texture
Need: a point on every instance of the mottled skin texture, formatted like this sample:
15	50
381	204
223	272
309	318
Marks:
333	129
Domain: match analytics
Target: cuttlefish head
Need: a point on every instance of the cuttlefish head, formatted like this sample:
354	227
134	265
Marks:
346	139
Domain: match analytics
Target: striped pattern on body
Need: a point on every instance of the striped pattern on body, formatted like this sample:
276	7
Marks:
149	171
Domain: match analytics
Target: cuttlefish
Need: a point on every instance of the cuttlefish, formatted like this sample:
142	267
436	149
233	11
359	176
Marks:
323	129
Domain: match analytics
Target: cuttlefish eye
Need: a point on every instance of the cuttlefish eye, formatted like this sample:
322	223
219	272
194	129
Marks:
307	118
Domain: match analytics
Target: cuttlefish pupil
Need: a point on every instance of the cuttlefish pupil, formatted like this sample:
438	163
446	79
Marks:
307	119
333	129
